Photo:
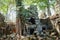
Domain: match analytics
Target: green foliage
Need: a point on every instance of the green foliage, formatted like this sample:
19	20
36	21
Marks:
4	5
42	4
25	13
32	10
28	2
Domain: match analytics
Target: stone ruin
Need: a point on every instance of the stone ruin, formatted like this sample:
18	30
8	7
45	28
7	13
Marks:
52	23
55	19
46	23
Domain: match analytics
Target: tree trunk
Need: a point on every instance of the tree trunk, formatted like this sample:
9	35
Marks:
57	9
48	8
18	5
57	6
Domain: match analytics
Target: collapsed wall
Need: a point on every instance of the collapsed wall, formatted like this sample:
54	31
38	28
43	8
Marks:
55	19
52	22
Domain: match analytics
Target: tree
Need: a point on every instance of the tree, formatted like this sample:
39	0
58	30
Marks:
57	6
57	9
19	17
4	5
42	4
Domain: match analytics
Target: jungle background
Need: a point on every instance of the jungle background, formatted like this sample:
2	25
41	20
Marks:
29	19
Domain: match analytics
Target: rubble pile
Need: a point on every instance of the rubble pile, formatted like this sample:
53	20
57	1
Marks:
52	26
55	19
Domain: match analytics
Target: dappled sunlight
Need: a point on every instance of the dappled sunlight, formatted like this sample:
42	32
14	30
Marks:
29	19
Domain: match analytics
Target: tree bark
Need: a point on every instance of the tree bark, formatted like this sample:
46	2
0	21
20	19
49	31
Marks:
57	9
48	8
18	19
57	6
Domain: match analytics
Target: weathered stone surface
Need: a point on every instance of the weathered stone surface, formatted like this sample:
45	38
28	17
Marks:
56	22
52	21
46	22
